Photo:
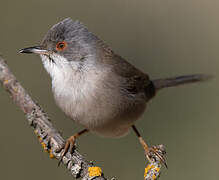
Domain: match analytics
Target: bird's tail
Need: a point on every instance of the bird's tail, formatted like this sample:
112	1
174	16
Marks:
179	80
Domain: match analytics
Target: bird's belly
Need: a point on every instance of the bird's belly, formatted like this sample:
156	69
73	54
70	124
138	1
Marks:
101	113
107	123
120	124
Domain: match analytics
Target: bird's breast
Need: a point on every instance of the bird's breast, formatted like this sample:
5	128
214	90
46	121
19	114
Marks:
74	95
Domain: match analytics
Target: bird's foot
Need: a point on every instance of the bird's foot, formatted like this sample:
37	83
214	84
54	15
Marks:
68	146
156	153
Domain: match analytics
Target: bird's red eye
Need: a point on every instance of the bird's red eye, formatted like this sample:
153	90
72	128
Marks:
61	46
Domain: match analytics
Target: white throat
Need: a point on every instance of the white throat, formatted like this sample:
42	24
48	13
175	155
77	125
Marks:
57	66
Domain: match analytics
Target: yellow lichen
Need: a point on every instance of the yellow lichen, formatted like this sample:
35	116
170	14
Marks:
151	171
157	169
44	147
94	171
51	155
152	166
154	177
147	169
145	172
5	81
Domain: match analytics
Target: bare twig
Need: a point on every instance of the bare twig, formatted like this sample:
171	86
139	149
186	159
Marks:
49	137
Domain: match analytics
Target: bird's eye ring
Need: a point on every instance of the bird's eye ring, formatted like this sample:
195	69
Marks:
61	46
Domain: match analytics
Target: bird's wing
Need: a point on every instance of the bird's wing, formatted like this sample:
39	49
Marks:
132	80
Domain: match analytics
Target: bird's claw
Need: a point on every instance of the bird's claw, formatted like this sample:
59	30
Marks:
156	153
67	147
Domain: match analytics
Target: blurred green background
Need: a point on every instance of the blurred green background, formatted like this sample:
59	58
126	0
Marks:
161	37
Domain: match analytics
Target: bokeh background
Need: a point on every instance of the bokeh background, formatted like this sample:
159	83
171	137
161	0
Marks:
161	37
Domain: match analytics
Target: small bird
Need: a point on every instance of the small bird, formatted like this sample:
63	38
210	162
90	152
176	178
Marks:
96	87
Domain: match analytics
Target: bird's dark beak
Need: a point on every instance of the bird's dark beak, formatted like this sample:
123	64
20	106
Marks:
35	49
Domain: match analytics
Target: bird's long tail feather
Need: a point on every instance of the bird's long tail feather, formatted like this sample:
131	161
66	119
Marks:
179	80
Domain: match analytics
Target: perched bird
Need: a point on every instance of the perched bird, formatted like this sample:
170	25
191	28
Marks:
96	87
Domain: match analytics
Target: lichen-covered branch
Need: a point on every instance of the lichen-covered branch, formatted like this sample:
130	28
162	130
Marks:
50	138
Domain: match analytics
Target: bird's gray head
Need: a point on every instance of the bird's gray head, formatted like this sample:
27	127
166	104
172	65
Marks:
66	46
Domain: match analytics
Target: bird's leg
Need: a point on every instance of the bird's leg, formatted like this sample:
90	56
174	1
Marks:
150	152
69	144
